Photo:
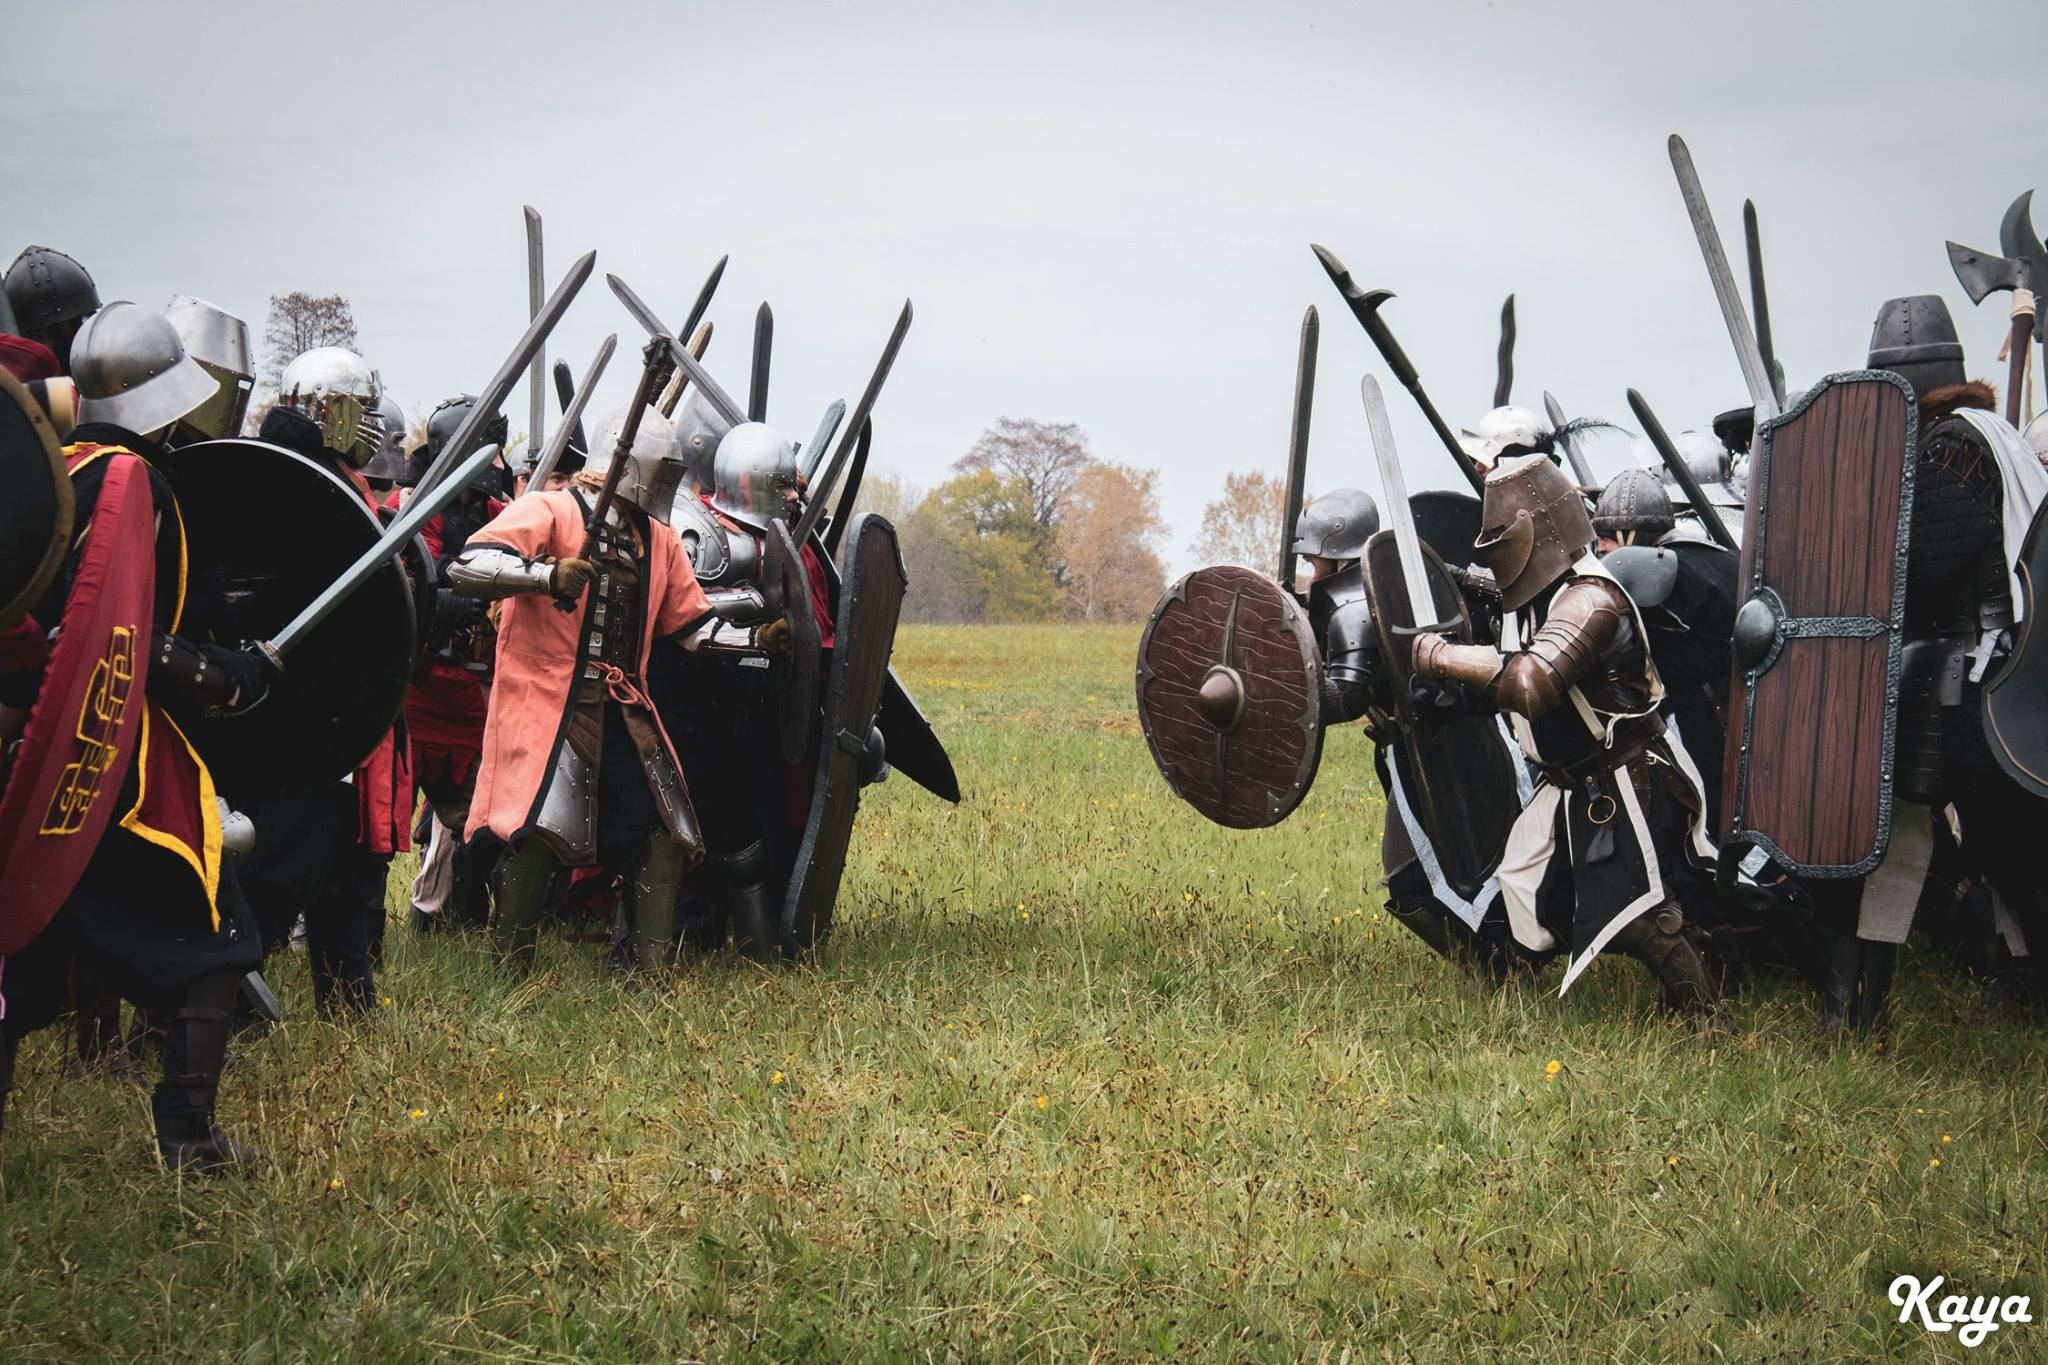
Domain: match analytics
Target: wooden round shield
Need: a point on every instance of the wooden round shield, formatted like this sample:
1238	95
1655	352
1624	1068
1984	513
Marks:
35	516
1230	696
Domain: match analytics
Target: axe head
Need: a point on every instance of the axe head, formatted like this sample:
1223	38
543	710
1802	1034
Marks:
1981	273
2018	240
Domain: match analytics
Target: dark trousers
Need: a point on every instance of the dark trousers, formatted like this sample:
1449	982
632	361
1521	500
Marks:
308	860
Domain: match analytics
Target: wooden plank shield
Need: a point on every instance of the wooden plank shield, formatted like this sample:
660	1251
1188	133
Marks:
870	601
64	779
1814	707
1230	696
35	516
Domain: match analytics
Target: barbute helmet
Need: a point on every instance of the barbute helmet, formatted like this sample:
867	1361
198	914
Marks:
339	391
653	469
1915	338
131	370
1337	525
48	290
1535	529
753	474
219	341
1634	502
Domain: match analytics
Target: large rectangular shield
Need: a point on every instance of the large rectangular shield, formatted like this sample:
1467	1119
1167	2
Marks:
1460	775
1814	707
870	600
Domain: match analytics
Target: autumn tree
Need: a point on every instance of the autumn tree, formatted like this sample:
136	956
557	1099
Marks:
1109	540
1045	457
1243	526
298	322
973	552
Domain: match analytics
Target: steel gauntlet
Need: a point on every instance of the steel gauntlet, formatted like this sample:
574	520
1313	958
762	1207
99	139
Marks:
485	571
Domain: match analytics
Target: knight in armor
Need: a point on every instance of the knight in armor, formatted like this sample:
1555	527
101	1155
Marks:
721	707
1330	537
446	709
1976	488
577	767
326	854
1685	586
1618	813
51	296
158	913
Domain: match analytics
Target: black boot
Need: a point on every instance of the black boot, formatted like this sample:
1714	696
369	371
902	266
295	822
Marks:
752	905
1856	985
195	1049
1661	940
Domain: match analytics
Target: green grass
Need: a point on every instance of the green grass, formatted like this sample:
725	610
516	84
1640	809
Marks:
1080	1075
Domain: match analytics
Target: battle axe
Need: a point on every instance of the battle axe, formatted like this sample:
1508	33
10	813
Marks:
1981	275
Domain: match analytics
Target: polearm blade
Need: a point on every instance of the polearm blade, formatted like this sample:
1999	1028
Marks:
855	424
828	427
764	346
1681	472
1504	357
1760	299
1297	441
419	509
1581	470
1755	376
536	294
1365	306
493	395
687	363
1414	572
572	418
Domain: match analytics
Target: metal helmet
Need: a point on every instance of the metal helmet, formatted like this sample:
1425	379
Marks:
753	474
1505	433
1702	451
1337	525
653	468
2037	435
1634	501
131	370
47	290
1915	338
1535	528
449	414
219	341
337	389
699	428
388	464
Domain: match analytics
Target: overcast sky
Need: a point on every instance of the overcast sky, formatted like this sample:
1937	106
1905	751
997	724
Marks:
1101	210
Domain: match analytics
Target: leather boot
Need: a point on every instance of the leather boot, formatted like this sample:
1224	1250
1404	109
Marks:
1661	940
651	903
195	1049
752	904
523	879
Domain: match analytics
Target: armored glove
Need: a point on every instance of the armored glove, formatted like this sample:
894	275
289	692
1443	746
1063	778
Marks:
773	638
453	612
569	578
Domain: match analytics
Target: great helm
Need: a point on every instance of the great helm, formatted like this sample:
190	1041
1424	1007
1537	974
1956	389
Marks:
1337	525
700	426
339	391
47	290
131	370
753	474
219	341
653	470
388	464
1536	528
1916	339
1634	501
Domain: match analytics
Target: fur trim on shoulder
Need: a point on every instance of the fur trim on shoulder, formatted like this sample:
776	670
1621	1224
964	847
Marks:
1952	397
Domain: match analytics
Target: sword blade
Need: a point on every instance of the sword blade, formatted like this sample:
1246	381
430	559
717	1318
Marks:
815	508
1581	470
1414	572
536	294
1297	441
572	417
687	363
1760	299
764	347
828	427
493	394
1754	376
1709	515
565	389
703	300
420	508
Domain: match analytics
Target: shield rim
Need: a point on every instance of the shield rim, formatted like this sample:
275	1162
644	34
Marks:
796	675
1754	524
1311	722
2033	547
45	573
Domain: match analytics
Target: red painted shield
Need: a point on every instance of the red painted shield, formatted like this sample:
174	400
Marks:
65	779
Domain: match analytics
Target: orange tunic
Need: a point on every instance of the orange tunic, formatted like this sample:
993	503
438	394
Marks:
539	646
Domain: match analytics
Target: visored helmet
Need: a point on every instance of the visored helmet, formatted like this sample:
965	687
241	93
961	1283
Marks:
1634	501
754	474
219	341
1337	525
1535	528
339	391
653	470
131	369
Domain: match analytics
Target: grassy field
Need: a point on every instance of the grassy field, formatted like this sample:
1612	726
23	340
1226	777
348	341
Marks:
1079	1076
